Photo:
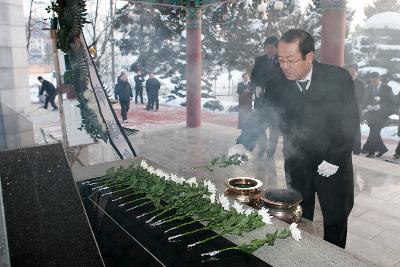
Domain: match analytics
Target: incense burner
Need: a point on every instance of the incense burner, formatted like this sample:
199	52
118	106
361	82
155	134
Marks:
243	189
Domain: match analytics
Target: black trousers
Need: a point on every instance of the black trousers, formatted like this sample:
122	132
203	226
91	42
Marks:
268	144
124	109
50	99
374	142
138	93
152	100
302	176
397	151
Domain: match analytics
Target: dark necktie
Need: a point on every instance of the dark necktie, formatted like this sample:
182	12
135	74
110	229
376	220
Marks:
303	85
375	91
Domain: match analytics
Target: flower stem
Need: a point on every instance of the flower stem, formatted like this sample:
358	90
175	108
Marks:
132	201
204	240
158	215
140	205
119	198
188	233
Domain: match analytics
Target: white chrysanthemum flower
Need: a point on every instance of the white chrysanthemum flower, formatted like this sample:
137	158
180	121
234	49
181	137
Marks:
224	201
180	180
151	170
296	233
167	176
174	178
144	164
159	173
248	212
239	208
266	217
192	181
210	186
212	198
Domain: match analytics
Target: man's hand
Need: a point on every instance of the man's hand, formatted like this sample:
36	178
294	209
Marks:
326	169
377	99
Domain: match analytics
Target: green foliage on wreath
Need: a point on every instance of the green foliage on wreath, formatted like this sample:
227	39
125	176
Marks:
72	17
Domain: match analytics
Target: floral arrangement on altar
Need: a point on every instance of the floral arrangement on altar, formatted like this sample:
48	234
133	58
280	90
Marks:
163	192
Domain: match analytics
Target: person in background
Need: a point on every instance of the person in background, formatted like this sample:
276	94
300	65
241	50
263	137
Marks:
50	92
123	94
265	68
139	79
360	91
152	87
245	91
379	105
397	151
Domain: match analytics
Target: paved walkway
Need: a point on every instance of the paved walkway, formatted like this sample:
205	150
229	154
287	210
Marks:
374	223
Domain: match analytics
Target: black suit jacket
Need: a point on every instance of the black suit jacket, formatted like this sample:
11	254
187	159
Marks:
264	69
48	87
319	124
360	93
241	87
387	102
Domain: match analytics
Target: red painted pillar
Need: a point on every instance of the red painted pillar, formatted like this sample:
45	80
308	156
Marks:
193	67
333	31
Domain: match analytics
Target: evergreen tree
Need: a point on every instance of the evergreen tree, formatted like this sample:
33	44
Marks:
380	6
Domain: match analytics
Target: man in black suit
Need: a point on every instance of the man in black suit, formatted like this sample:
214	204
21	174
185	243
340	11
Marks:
245	92
265	68
152	87
379	105
50	93
139	79
360	97
318	116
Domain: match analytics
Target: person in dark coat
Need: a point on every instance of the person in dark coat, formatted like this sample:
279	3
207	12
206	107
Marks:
139	79
245	91
152	88
265	67
50	93
379	105
397	151
360	91
123	94
317	112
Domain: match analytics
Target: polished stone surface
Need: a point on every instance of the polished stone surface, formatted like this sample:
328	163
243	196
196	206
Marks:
45	220
185	148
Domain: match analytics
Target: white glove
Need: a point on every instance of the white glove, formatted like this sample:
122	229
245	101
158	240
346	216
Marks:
377	107
258	91
239	149
369	107
377	99
326	169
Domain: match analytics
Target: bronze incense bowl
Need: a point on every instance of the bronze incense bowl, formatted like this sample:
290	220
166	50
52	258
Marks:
283	204
243	189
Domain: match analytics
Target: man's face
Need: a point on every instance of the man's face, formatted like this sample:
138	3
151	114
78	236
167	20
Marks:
151	75
353	72
246	78
139	72
123	78
374	82
291	62
41	80
270	50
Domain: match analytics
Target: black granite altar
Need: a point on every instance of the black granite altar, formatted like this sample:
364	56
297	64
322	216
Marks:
45	221
119	233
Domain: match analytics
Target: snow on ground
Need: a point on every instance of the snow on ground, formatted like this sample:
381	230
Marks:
386	133
383	20
380	70
395	87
